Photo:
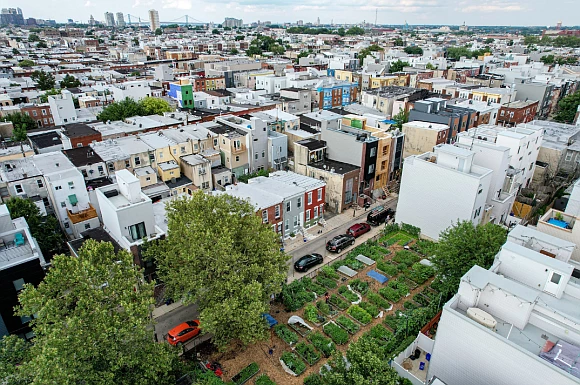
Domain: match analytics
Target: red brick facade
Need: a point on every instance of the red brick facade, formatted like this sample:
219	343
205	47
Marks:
510	116
40	113
313	206
271	219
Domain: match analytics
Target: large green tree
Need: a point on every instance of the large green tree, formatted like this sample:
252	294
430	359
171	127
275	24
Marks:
44	80
401	118
92	322
26	63
414	50
155	106
45	229
355	31
14	351
121	110
463	246
398	66
70	81
47	93
21	122
567	108
219	255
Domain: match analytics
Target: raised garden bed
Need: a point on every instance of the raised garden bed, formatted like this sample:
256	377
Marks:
390	294
326	282
348	294
421	299
322	343
379	332
348	324
336	333
360	286
314	287
295	295
425	247
326	309
264	380
370	249
410	284
300	329
388	268
340	303
329	272
312	315
379	301
406	257
400	238
246	374
307	352
392	321
359	314
410	305
286	334
370	308
293	362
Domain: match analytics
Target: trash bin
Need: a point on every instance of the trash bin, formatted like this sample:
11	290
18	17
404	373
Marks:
428	356
421	365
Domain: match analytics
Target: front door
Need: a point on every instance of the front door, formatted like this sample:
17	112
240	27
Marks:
553	283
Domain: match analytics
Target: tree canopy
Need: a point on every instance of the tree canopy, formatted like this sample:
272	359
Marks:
363	53
129	107
399	42
158	32
44	80
219	255
463	246
567	108
92	322
457	52
47	93
263	44
33	37
14	351
414	50
21	122
401	118
25	63
70	81
398	66
355	31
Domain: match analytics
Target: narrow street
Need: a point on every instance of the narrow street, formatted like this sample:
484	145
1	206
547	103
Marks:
168	321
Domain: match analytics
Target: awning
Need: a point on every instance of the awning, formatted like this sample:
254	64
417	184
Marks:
73	199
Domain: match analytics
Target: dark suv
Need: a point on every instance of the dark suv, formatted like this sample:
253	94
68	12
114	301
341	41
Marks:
307	261
340	242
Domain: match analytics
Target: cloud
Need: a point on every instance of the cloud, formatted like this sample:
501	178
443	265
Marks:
177	4
89	4
492	6
308	7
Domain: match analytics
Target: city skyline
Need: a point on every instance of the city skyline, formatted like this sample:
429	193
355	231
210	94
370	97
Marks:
436	12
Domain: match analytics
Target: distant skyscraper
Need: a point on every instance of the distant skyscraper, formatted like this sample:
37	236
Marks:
109	19
318	21
12	16
92	21
559	25
300	23
120	19
153	19
231	22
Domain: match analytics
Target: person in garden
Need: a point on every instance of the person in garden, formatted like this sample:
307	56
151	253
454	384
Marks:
326	297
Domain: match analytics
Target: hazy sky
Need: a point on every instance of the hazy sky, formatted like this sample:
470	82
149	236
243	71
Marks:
483	12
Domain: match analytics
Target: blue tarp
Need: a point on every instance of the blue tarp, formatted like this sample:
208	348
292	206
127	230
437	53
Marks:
378	276
271	321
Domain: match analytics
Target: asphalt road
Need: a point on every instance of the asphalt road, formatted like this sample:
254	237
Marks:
318	245
168	321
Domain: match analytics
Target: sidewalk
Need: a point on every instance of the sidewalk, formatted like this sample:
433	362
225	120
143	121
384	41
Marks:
333	223
164	309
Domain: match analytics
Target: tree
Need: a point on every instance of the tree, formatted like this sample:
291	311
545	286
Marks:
25	63
41	44
135	41
240	37
215	31
457	52
33	38
489	40
363	53
219	255
401	118
463	246
14	351
567	108
45	229
414	50
154	106
93	322
44	80
398	66
530	40
121	110
547	59
341	32
234	51
399	42
16	52
70	81
510	43
355	31
44	97
21	123
158	32
430	66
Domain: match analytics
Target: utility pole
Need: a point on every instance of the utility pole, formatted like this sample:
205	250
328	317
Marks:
376	16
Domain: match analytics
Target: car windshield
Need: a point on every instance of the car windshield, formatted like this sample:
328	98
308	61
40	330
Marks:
302	262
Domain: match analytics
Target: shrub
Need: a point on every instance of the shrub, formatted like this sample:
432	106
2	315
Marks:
359	314
286	334
347	293
322	343
358	285
329	272
390	294
409	305
313	379
406	257
293	363
421	273
399	286
338	302
380	332
378	300
373	310
387	268
264	380
326	282
311	314
348	324
311	286
392	321
295	295
421	299
354	264
245	374
323	307
425	247
413	230
307	352
337	334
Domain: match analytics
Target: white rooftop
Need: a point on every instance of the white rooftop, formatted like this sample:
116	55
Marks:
275	187
259	198
291	178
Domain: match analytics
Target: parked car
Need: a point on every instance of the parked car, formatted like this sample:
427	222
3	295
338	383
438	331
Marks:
358	229
308	261
183	332
340	242
379	215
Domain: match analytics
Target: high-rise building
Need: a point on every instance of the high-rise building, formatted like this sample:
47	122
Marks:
300	23
92	21
120	19
109	19
153	19
12	16
231	22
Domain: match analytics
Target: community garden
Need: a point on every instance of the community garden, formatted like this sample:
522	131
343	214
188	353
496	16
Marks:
390	310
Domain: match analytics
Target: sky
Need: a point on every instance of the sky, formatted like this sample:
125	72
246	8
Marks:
483	12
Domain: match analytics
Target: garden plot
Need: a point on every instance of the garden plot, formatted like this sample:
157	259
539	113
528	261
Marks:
292	364
246	374
307	353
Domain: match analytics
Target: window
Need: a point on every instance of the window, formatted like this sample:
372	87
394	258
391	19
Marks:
277	211
66	225
299	202
174	151
148	179
279	227
100	168
24	319
286	225
71	185
309	198
183	150
127	164
43	112
18	189
502	113
237	158
307	215
137	231
137	161
555	278
371	168
263	154
256	156
568	157
264	216
87	226
316	212
373	152
205	185
151	157
18	284
215	142
39	183
295	220
111	167
57	187
319	194
288	206
34	113
63	204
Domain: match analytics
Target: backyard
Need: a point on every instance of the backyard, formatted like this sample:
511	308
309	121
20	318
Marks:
358	305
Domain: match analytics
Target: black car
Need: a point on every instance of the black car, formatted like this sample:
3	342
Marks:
307	261
379	215
340	242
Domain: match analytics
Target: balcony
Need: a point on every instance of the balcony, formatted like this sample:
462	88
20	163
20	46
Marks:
558	219
239	149
83	215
